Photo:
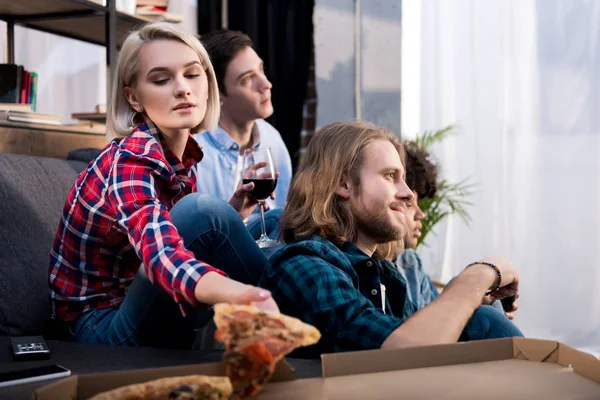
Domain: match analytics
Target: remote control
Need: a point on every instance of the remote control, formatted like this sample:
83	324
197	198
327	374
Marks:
29	347
507	302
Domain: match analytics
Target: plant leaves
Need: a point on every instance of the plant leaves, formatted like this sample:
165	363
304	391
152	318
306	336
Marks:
450	198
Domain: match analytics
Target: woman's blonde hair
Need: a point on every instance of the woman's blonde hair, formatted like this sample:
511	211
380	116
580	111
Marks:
121	117
313	207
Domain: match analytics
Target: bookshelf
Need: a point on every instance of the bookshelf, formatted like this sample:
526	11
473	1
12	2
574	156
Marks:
48	140
85	20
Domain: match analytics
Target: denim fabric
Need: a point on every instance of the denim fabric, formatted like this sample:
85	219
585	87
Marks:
272	224
488	322
419	288
149	317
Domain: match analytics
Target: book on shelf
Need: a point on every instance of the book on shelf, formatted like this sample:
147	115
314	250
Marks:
11	76
29	117
157	13
157	3
32	98
15	107
17	85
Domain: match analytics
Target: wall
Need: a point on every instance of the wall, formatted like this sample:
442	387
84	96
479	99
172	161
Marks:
379	66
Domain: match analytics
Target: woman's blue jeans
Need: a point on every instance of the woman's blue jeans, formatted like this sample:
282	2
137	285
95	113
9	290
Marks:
216	234
272	224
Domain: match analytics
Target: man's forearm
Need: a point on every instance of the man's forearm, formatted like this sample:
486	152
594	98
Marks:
444	319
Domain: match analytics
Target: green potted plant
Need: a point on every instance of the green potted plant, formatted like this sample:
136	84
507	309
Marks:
450	198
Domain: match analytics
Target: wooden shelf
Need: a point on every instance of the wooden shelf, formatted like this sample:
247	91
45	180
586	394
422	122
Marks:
83	128
77	19
37	7
49	142
90	116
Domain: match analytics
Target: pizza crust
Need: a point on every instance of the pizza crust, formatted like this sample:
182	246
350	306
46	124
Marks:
308	334
255	341
160	389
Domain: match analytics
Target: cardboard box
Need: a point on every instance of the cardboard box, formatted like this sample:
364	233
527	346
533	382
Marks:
515	368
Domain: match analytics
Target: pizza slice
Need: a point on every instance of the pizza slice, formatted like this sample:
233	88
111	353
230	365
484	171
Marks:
192	387
255	341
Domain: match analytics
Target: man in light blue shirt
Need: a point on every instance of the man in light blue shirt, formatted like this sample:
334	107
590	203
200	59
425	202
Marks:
245	94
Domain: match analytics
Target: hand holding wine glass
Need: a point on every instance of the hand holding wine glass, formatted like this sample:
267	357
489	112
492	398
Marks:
264	179
241	200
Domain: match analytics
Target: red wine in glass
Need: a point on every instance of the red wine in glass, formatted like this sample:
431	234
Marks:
262	187
258	167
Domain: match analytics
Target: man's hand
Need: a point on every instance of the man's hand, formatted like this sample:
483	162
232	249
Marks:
242	201
510	314
510	277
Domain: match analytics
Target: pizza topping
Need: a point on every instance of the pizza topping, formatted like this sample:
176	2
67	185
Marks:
255	341
278	346
243	326
175	393
182	392
249	368
216	395
196	392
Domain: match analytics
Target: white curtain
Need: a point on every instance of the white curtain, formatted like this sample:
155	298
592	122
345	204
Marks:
72	74
521	78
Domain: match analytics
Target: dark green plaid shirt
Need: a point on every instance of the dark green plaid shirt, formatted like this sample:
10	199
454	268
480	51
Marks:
338	290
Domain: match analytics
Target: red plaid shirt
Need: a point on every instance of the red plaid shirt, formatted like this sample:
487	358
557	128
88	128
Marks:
116	218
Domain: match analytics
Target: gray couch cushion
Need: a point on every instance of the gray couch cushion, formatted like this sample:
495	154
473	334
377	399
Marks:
33	191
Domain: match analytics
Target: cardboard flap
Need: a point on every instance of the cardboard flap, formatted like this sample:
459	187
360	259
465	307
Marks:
360	362
535	350
583	363
63	389
283	372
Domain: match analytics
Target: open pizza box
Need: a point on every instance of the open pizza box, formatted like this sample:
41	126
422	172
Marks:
515	368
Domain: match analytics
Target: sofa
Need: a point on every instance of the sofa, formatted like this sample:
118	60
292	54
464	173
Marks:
32	195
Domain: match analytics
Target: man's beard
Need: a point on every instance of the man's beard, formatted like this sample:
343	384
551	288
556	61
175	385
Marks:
375	223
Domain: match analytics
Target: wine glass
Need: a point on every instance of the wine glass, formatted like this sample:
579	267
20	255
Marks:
265	181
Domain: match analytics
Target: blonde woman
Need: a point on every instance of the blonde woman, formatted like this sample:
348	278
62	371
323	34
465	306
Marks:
137	253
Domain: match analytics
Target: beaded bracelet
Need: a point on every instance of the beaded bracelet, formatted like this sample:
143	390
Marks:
496	285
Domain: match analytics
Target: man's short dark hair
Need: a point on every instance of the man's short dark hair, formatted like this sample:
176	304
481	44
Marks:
421	173
222	46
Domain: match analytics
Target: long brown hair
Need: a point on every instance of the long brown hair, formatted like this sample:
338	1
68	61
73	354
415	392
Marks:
313	207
